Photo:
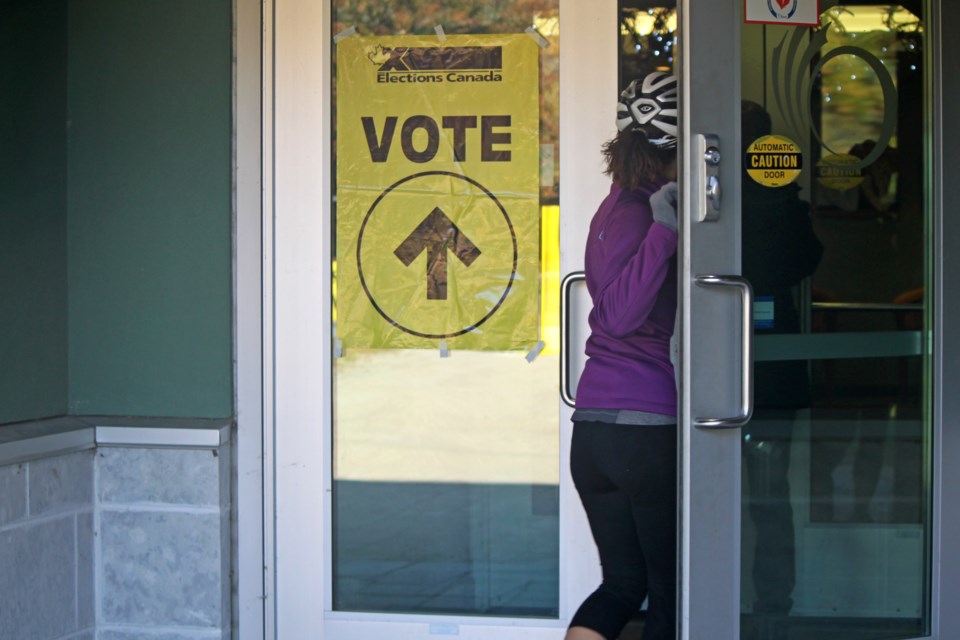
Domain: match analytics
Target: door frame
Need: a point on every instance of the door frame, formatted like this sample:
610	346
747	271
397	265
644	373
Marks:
709	557
250	158
946	314
297	294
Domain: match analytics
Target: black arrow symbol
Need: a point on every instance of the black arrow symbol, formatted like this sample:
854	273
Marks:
437	233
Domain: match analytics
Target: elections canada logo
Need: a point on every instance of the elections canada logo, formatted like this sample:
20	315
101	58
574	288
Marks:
414	65
783	9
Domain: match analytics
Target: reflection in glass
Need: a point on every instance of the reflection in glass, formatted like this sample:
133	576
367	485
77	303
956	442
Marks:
647	38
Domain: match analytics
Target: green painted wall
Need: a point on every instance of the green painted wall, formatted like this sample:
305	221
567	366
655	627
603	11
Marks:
149	207
115	208
33	272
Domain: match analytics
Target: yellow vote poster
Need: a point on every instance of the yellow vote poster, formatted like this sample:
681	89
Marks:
438	192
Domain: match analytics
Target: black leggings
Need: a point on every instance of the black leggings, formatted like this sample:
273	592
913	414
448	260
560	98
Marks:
626	476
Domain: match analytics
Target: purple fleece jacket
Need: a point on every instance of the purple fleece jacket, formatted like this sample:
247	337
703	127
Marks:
631	274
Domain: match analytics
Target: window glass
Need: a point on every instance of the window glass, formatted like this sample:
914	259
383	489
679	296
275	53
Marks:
445	450
836	490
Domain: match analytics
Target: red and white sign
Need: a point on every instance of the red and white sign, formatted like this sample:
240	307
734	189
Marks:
794	12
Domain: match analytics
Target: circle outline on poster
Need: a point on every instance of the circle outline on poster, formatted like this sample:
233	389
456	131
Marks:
369	294
780	171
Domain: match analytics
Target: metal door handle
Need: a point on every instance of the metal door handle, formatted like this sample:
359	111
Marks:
568	281
706	166
746	338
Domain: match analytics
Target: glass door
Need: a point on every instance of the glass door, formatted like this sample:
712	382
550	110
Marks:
445	447
419	155
447	510
807	311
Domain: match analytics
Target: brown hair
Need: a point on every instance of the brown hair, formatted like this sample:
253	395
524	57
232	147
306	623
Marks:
632	161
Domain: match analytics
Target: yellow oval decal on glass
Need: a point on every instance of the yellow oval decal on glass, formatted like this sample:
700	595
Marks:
834	172
773	161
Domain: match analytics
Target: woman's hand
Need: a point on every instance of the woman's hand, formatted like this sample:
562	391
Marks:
664	205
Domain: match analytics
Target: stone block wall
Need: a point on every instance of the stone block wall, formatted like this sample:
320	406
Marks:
116	543
46	548
163	548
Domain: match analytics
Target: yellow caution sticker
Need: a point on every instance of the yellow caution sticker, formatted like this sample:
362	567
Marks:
835	172
773	161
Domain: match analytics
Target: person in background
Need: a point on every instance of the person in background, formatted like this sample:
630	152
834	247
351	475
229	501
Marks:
623	456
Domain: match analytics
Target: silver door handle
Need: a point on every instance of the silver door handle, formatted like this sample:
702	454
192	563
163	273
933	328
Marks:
746	339
706	167
568	281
